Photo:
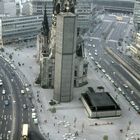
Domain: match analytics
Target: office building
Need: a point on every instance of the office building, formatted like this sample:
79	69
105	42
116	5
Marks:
36	7
83	10
137	15
15	29
8	7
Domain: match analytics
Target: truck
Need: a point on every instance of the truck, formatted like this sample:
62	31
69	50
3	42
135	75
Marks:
24	135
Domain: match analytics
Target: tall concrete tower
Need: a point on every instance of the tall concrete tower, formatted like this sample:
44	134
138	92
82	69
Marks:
64	56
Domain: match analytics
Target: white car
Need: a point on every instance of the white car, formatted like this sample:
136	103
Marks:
1	83
22	91
34	115
35	121
132	103
89	54
93	46
89	45
119	89
96	54
103	70
33	110
126	86
27	89
92	58
3	91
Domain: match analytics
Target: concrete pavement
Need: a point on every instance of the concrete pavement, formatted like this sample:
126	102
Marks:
71	118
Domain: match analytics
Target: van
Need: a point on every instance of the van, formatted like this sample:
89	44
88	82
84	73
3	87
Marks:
33	115
35	120
22	91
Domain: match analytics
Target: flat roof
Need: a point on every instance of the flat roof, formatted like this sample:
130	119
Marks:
99	100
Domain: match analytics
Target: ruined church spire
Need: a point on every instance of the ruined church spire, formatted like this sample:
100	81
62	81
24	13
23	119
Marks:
45	24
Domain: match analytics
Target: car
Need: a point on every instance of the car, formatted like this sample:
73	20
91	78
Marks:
99	66
92	58
127	98
12	65
93	46
6	102
136	108
35	120
123	93
24	106
27	89
89	45
119	89
95	50
109	78
126	86
3	91
22	91
115	85
112	62
132	91
103	70
96	62
89	54
112	81
132	103
26	85
96	53
1	83
34	115
33	110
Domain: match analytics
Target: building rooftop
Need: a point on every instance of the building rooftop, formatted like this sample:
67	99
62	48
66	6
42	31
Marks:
99	100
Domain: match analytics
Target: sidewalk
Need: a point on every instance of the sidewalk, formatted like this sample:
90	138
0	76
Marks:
71	118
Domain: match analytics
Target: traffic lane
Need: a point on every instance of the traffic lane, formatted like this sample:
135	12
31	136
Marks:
128	77
6	110
119	80
17	108
26	113
131	63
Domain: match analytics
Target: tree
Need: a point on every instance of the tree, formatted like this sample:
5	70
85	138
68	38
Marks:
105	137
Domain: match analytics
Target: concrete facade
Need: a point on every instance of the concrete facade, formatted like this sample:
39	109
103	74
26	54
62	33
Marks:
64	57
137	15
8	8
20	28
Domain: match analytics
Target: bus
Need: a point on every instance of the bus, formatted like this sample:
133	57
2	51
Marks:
119	18
25	132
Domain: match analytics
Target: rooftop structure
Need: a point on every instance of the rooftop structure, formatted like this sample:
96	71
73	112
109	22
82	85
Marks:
100	104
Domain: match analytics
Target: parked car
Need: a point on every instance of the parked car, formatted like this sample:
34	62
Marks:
6	102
